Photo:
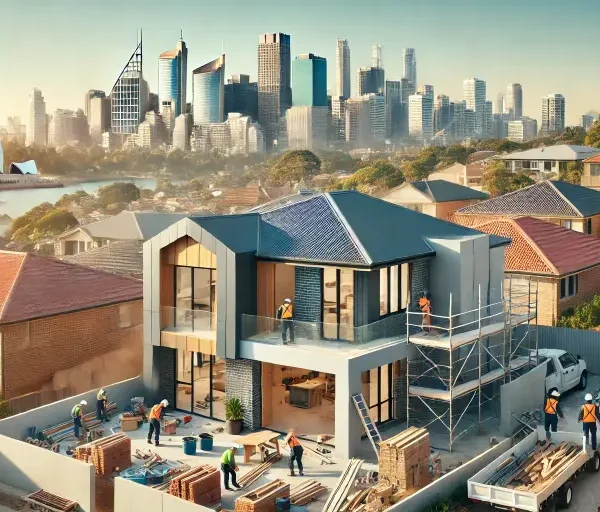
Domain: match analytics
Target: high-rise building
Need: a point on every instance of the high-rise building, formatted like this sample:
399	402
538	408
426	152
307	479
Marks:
553	114
470	124
499	105
587	121
208	82
409	65
420	118
182	132
14	131
376	118
153	103
408	89
395	110
238	132
152	132
129	96
426	90
371	80
365	120
338	118
241	96
522	130
501	126
474	93
37	131
442	115
91	94
98	117
168	115
68	127
274	83
458	126
488	121
342	69
514	101
256	139
309	81
172	79
307	127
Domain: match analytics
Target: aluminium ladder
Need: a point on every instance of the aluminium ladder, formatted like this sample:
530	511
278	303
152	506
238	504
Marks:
370	428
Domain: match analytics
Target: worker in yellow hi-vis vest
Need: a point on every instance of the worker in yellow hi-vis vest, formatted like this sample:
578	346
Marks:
551	413
588	415
285	313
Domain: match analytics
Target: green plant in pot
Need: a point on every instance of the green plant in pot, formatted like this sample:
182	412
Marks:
234	415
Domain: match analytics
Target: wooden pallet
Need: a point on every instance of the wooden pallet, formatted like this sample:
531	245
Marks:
45	501
264	498
344	486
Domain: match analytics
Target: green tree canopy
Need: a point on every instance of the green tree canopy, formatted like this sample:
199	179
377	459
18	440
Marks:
118	193
294	166
55	222
30	217
381	174
499	180
572	173
584	316
592	138
41	221
574	135
332	161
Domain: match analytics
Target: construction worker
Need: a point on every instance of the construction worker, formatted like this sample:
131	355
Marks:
551	412
154	418
285	313
588	415
296	452
101	402
229	467
425	307
77	415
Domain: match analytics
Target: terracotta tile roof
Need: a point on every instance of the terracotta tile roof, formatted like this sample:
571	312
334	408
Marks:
245	196
593	160
540	247
32	286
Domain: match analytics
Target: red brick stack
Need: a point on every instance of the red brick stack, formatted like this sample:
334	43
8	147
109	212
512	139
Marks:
200	485
112	454
264	498
105	493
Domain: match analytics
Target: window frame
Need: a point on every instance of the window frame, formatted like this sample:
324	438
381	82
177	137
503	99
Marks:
212	272
400	309
568	282
588	226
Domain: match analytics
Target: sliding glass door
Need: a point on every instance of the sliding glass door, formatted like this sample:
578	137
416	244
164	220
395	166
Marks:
380	394
338	304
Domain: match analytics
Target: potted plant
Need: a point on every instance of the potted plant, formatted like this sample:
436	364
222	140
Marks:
234	415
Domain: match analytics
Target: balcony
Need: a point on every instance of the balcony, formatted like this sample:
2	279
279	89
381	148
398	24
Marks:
319	335
190	329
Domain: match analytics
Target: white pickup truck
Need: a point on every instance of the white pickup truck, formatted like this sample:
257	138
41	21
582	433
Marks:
565	371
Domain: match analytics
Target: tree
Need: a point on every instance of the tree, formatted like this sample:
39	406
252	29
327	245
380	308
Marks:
55	222
294	166
22	224
572	173
381	174
520	180
118	193
592	138
574	135
416	171
332	161
499	180
452	155
584	316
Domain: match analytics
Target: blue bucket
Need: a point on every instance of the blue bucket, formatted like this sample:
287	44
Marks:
189	445
206	442
282	504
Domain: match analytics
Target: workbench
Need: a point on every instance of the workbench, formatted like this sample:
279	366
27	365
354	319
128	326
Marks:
307	395
258	441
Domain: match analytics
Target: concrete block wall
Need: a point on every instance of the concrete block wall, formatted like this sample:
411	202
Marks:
165	364
243	381
308	294
419	280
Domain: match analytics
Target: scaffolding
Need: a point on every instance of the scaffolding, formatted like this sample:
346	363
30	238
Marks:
457	363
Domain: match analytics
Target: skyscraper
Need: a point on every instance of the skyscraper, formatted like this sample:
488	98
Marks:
37	131
307	127
409	61
553	114
172	78
309	81
365	120
209	92
474	93
426	90
338	118
488	120
522	130
92	93
514	101
67	126
587	121
241	96
442	115
274	83
182	132
342	69
420	118
458	120
129	96
393	109
499	105
371	80
98	117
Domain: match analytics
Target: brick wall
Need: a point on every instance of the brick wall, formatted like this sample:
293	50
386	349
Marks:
40	353
307	297
588	286
165	365
243	381
419	280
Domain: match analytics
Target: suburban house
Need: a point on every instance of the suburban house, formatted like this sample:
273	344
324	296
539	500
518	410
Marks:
123	257
124	226
565	264
547	159
354	267
469	175
591	172
65	327
438	198
558	202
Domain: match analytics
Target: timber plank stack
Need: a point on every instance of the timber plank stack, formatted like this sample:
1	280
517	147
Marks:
255	473
306	492
264	498
109	455
44	500
200	485
404	459
345	485
57	433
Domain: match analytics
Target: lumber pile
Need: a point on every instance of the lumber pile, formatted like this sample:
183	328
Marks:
404	459
108	455
264	498
44	500
345	485
306	492
534	470
375	499
255	473
57	433
200	485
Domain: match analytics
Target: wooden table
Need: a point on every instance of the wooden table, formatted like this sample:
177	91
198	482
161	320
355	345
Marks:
312	389
256	442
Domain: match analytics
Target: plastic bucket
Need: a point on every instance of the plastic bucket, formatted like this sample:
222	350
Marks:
282	504
206	442
189	445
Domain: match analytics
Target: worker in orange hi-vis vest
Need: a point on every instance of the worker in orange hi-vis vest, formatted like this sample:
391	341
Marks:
296	452
551	413
425	307
285	313
588	415
154	418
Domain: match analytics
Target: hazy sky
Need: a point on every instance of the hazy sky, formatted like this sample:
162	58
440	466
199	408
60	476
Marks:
65	47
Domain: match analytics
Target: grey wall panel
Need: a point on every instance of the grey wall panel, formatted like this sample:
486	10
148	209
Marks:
209	242
181	227
221	253
193	230
164	238
147	274
232	317
173	232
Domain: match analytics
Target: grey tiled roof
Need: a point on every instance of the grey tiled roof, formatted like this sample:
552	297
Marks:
545	198
122	257
441	191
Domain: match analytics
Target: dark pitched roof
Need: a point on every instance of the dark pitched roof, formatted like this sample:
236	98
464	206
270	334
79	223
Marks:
442	191
124	257
543	199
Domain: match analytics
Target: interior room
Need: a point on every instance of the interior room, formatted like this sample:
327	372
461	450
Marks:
300	399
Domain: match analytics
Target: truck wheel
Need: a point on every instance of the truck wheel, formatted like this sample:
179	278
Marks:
583	380
565	496
593	466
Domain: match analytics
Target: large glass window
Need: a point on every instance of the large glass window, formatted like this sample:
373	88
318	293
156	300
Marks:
338	303
195	297
393	289
384	291
346	304
380	393
569	286
183	295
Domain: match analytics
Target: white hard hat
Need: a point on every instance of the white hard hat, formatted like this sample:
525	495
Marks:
287	300
555	393
588	396
83	402
164	403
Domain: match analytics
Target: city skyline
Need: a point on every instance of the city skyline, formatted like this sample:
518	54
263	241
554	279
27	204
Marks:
540	66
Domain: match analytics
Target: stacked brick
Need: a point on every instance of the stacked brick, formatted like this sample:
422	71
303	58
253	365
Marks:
404	459
200	485
109	455
105	493
264	498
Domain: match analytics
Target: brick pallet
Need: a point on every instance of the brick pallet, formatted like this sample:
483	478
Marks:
264	498
404	459
200	485
109	455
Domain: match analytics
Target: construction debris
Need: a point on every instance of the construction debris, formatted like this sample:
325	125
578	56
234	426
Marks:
201	485
46	501
306	492
264	498
255	473
344	486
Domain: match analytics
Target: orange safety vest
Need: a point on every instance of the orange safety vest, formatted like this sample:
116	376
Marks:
589	413
287	311
155	412
425	305
551	406
293	442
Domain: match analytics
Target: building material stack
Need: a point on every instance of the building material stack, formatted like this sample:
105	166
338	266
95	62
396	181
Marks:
264	498
200	485
255	473
306	492
57	433
43	500
346	484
